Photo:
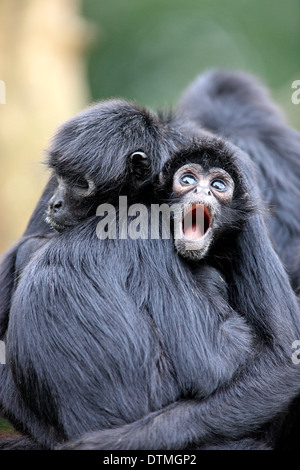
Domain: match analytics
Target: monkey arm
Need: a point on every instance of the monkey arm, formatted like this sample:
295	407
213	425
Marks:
230	413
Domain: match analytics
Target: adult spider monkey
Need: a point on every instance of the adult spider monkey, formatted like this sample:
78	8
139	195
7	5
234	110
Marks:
262	312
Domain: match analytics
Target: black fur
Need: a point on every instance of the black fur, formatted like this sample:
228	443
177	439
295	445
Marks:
97	144
263	388
236	106
164	408
117	337
101	138
11	266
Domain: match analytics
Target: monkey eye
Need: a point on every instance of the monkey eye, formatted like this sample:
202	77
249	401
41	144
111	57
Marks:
79	182
188	179
81	186
219	185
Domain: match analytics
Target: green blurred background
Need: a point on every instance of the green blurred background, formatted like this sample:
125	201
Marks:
149	50
57	56
145	50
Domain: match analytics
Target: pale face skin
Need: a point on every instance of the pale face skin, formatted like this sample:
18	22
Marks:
202	193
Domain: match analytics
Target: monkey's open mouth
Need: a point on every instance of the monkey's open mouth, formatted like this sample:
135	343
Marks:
196	222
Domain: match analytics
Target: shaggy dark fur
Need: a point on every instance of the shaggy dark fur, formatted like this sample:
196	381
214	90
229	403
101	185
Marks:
117	336
98	143
152	368
259	391
238	108
101	138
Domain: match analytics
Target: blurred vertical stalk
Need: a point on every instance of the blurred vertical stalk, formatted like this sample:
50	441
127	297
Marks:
42	64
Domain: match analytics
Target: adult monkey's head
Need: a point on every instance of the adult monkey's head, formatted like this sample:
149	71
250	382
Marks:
205	182
113	148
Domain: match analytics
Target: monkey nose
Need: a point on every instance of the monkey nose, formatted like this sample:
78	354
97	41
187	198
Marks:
204	191
54	204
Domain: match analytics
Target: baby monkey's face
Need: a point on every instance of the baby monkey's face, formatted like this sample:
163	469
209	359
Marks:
203	194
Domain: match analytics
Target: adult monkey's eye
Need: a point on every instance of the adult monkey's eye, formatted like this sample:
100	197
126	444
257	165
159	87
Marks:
188	179
82	186
81	182
218	185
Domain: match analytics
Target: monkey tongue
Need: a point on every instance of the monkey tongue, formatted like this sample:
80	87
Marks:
193	233
195	222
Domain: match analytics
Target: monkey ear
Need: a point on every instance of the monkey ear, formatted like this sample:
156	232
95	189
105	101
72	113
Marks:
139	164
